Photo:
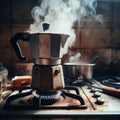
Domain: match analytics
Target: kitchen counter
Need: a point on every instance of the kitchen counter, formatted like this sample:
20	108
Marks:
57	114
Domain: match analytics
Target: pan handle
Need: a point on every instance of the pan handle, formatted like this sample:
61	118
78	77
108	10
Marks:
94	60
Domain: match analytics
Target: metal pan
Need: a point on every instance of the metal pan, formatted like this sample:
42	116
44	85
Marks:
77	70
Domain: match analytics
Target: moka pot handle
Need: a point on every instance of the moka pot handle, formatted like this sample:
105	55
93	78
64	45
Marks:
15	44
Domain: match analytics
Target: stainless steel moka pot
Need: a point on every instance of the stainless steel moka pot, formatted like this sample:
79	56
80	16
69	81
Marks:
47	73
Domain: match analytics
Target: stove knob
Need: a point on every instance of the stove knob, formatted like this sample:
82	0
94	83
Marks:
96	94
88	87
99	101
93	90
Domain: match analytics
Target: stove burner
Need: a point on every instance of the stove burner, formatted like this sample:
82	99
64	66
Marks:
111	81
35	99
47	97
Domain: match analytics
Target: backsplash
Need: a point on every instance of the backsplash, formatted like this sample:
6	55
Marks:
92	38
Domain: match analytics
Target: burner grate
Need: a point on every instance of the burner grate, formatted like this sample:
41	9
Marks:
110	81
34	99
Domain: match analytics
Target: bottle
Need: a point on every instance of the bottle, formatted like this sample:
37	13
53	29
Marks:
3	77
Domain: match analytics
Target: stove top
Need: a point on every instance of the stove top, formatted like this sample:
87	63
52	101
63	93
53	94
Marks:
71	101
67	98
110	81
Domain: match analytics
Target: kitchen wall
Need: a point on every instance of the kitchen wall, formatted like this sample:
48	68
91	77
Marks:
92	38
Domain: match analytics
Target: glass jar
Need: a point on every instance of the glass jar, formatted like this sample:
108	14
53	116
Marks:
3	77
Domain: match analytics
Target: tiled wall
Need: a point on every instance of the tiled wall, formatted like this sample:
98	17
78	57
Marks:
93	38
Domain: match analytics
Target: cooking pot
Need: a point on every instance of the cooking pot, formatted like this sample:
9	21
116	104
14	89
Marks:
78	70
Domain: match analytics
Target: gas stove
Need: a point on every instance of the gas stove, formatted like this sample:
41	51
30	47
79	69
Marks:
72	101
35	99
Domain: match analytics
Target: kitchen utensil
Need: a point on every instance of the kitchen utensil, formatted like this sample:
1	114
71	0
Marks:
45	47
109	91
46	50
78	70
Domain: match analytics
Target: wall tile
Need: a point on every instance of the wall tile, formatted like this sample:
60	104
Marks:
116	39
21	11
95	38
19	28
5	12
104	9
116	13
88	54
5	47
5	34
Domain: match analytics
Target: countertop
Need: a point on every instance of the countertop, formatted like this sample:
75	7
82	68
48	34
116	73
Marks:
56	113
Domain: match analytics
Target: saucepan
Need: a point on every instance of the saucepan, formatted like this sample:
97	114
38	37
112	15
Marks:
78	70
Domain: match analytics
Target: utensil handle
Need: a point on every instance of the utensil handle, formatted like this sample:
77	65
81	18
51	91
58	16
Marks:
15	44
94	60
112	92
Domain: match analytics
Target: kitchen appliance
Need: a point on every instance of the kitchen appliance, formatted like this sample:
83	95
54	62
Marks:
72	101
30	99
109	80
46	50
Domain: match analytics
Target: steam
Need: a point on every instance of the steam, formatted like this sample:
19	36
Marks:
75	58
61	15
